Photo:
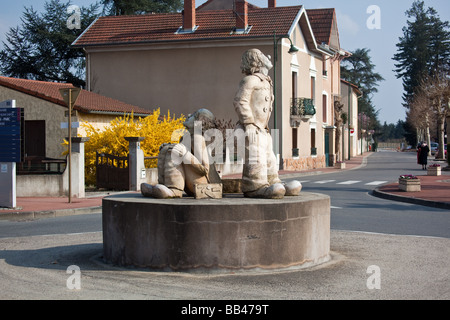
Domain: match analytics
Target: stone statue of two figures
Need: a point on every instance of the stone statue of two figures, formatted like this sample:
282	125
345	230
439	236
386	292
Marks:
180	169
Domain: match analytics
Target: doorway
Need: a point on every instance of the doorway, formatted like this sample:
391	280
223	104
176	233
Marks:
327	149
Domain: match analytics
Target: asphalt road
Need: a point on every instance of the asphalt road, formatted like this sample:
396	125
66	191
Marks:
355	209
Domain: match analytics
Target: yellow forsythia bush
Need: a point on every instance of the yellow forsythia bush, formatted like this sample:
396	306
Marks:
155	129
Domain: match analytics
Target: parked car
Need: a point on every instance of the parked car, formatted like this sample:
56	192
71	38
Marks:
434	147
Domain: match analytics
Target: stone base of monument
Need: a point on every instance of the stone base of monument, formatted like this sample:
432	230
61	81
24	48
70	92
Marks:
232	233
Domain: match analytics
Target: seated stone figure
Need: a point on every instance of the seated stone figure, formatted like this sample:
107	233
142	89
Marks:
179	169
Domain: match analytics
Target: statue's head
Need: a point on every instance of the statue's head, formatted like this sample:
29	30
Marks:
254	61
205	116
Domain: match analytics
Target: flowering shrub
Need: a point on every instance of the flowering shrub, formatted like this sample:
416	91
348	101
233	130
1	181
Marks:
111	140
408	177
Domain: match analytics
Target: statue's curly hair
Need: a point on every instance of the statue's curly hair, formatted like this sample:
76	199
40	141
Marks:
252	61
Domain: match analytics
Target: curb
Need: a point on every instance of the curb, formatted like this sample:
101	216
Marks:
427	203
35	215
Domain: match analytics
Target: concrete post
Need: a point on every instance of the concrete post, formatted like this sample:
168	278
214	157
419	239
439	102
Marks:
136	163
77	163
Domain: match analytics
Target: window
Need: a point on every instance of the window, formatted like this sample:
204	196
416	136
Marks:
313	142
294	138
324	67
324	109
35	138
294	84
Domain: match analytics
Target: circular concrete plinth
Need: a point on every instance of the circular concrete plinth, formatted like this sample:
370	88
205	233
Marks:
230	233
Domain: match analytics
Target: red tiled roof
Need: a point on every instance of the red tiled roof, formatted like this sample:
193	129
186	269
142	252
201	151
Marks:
321	21
217	24
87	102
204	5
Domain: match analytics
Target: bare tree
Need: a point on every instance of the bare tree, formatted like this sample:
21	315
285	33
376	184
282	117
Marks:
420	115
437	89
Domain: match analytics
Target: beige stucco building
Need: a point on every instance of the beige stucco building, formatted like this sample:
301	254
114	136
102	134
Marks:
349	98
185	61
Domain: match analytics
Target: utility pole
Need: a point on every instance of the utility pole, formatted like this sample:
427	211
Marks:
70	95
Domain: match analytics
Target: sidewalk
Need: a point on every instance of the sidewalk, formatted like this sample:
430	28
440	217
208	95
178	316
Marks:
435	192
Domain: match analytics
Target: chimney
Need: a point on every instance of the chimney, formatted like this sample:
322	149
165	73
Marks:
241	14
189	16
272	3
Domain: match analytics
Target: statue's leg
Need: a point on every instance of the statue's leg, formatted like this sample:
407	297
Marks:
292	188
272	164
255	177
174	175
171	177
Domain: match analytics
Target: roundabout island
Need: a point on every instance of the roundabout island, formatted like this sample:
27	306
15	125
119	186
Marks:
231	233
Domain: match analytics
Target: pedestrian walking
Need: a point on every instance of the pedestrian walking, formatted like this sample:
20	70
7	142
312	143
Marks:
422	155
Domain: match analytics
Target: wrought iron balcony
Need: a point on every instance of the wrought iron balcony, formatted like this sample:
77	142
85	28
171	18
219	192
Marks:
303	108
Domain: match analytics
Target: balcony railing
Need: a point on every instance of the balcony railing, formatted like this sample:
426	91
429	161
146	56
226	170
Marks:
303	108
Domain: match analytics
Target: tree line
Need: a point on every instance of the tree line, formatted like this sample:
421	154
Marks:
423	64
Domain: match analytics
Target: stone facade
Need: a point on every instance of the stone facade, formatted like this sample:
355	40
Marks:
307	163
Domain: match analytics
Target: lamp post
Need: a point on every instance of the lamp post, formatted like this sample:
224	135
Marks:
292	50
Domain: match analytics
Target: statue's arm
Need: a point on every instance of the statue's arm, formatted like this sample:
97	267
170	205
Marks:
199	165
243	99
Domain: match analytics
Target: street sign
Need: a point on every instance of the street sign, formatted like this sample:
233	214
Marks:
11	120
11	126
65	125
74	92
352	132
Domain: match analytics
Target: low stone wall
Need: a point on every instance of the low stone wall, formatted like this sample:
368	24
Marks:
307	163
49	185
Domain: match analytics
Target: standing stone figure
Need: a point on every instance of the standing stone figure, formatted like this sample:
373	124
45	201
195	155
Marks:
179	169
253	104
338	123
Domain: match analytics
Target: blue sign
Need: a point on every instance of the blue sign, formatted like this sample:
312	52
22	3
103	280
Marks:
11	120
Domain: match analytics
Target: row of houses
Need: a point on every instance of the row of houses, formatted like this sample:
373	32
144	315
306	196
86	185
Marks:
190	60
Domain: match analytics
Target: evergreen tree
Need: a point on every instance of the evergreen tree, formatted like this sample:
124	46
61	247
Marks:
423	49
359	70
40	49
130	7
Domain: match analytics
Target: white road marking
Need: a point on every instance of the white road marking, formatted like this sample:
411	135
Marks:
349	182
376	183
324	181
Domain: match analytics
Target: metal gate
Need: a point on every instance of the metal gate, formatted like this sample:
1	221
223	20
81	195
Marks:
112	172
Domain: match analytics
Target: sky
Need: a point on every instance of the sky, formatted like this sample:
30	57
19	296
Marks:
373	24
